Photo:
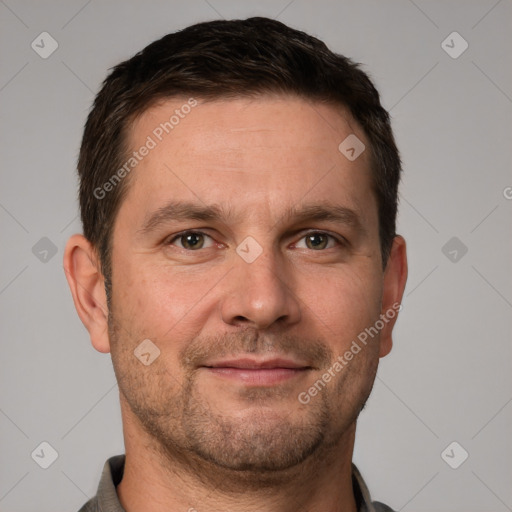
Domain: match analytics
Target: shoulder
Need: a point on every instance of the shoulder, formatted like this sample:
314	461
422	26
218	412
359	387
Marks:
90	506
106	498
381	507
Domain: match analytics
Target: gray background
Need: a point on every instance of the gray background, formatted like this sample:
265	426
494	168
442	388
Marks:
448	377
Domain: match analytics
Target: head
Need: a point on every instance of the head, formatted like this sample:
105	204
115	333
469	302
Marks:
224	222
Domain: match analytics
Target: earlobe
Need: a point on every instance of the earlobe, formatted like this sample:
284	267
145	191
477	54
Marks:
86	282
395	278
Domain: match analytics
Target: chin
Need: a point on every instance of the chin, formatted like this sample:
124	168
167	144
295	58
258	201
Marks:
257	438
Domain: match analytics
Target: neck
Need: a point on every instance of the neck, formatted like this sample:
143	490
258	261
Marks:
155	482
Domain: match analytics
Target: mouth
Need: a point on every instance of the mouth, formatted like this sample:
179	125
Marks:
257	372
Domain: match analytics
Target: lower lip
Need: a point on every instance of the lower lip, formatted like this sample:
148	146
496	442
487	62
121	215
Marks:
258	376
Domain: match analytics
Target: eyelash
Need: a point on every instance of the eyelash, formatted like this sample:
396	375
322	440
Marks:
339	240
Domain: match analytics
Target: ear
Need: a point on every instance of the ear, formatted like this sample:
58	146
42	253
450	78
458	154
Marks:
395	277
87	284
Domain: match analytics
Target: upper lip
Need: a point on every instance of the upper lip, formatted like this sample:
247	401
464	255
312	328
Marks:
251	363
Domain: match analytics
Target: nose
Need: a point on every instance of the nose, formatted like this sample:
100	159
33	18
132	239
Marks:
260	294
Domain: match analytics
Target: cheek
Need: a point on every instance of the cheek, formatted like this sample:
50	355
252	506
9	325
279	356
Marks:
157	300
345	303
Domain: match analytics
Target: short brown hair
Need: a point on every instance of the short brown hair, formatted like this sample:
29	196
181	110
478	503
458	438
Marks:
223	59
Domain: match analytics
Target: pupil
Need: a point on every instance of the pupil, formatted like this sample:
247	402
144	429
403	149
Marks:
193	240
316	240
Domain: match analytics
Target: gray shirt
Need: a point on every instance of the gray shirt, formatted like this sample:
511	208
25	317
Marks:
106	499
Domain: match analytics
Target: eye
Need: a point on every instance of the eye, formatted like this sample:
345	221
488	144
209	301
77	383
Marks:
317	241
192	240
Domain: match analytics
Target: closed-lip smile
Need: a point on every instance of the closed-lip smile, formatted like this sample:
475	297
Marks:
257	372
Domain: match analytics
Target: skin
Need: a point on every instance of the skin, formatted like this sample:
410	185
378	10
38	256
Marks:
196	437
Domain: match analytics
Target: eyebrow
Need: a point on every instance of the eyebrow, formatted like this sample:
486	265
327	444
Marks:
323	212
179	211
176	211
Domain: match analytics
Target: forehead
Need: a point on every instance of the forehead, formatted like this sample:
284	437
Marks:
268	152
269	122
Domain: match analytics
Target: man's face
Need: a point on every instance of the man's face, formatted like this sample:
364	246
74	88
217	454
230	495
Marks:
247	251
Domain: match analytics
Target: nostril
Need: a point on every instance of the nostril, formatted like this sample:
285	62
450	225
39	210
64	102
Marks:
240	319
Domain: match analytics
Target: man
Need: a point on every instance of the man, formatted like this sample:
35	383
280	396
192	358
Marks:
238	193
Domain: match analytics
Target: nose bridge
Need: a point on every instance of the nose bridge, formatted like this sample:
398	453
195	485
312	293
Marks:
261	292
